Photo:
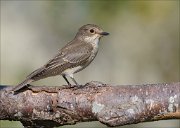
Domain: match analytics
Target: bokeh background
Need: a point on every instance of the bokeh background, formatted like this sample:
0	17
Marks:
143	46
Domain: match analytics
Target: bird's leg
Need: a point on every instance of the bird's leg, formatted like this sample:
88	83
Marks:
72	78
74	81
77	85
66	80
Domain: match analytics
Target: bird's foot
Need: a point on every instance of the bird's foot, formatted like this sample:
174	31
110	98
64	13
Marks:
95	83
73	86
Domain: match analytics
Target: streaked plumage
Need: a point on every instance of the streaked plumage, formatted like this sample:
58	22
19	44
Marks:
72	58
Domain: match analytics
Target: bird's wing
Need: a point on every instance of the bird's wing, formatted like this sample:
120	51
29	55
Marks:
69	56
72	54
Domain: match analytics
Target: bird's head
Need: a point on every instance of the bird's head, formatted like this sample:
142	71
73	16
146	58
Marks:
90	33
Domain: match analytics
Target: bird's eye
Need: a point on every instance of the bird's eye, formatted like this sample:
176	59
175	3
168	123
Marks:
91	30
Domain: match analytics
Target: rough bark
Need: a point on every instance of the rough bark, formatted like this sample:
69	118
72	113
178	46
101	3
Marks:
95	101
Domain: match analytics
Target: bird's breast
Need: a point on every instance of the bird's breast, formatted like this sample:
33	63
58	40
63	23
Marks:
95	49
92	56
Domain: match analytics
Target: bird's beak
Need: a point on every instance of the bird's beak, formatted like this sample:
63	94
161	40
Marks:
104	33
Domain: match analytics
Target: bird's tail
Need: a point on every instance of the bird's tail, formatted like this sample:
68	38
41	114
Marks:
30	78
21	85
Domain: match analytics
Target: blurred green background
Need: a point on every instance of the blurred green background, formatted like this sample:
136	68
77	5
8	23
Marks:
143	46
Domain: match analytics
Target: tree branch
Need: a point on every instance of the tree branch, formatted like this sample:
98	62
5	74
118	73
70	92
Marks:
111	105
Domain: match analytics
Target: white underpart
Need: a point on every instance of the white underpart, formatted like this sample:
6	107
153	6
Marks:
94	40
69	72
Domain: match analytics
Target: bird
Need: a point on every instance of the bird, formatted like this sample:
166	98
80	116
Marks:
72	58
